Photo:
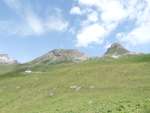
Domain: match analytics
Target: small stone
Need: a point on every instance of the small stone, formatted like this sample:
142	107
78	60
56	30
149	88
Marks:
51	94
73	87
78	88
92	87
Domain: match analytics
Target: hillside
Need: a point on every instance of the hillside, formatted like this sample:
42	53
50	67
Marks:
5	68
94	86
59	56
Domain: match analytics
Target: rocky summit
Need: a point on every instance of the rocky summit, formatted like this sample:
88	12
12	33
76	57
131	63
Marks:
116	50
5	59
61	55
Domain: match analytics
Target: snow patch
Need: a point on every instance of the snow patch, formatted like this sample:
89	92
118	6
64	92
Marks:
115	56
28	71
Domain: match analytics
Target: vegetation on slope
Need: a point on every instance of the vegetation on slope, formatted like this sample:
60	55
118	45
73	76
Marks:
5	68
94	86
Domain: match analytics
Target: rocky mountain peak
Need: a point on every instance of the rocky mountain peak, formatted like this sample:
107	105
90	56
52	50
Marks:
116	49
65	52
5	59
116	45
61	55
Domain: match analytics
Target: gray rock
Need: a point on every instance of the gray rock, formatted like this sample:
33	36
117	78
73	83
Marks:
61	55
5	59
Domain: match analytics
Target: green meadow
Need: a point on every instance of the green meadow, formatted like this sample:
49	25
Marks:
95	86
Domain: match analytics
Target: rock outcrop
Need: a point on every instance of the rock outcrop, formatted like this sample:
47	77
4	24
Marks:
61	55
116	50
5	59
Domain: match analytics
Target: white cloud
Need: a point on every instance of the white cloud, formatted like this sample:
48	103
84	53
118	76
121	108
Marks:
89	2
32	23
107	45
90	34
76	10
139	35
56	24
93	17
107	14
111	13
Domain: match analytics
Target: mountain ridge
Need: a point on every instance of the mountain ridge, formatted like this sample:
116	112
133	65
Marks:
61	55
5	59
116	50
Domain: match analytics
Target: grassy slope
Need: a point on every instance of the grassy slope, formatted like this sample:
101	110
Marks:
106	86
5	68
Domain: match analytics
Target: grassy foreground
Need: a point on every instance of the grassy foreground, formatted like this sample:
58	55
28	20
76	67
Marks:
94	86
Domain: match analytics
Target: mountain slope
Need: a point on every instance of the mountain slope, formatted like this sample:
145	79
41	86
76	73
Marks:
93	86
6	68
116	49
102	85
60	55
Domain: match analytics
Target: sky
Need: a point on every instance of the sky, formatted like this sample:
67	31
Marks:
30	28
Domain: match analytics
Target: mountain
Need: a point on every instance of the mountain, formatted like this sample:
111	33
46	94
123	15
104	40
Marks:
5	59
61	55
116	49
94	86
98	85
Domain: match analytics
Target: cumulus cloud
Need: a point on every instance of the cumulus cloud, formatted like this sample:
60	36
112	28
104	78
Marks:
92	17
109	14
89	2
90	34
139	35
32	23
76	10
56	23
112	11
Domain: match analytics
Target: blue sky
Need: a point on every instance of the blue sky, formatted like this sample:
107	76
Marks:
30	28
